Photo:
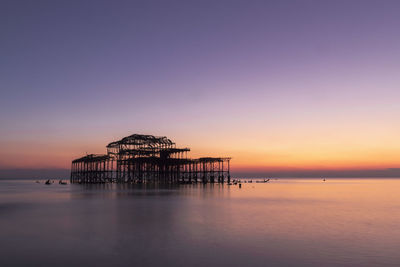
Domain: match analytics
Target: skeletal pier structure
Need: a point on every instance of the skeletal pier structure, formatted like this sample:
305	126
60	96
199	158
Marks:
144	159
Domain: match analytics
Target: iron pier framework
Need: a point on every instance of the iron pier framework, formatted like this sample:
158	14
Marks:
146	158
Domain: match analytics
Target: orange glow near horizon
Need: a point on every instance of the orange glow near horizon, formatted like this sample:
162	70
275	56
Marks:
285	148
345	159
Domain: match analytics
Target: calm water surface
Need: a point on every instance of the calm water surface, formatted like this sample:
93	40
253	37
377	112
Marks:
340	222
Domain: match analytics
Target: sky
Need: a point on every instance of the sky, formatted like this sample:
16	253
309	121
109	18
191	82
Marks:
277	85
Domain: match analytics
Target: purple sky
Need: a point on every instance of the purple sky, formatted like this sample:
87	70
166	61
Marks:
311	84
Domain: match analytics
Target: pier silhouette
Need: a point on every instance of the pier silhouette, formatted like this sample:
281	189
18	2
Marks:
146	158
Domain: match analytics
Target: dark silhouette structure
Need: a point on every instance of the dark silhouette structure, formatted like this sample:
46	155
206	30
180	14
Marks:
146	158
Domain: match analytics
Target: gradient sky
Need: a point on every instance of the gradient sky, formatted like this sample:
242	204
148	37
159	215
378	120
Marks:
274	84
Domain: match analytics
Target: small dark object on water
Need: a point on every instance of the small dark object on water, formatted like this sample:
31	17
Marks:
61	182
240	185
324	180
47	182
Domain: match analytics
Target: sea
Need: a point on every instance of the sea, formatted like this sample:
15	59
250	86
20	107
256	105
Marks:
283	222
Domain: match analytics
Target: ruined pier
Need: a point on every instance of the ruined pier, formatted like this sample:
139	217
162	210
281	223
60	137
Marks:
146	159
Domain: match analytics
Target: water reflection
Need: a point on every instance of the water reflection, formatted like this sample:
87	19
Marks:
281	223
